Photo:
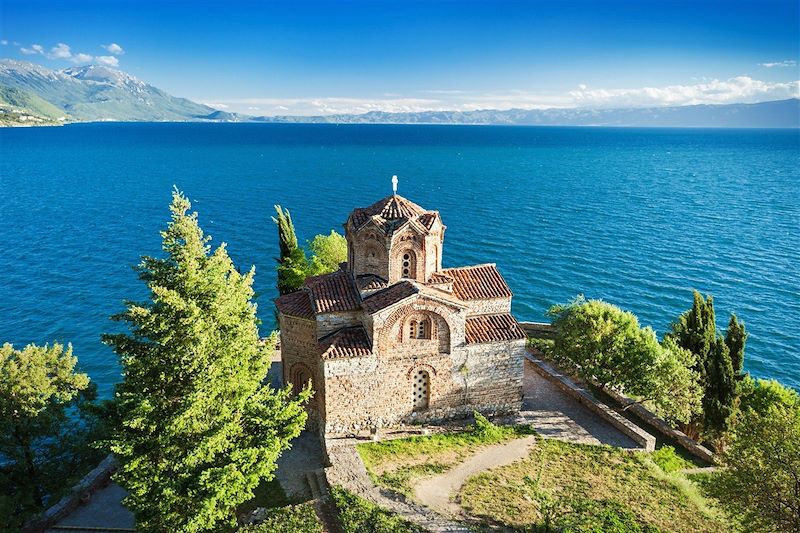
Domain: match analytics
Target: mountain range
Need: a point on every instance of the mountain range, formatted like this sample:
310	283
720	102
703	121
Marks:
33	94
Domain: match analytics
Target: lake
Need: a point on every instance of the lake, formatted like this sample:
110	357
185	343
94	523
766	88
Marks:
637	217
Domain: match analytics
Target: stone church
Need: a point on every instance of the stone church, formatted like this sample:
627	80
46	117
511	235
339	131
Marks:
392	337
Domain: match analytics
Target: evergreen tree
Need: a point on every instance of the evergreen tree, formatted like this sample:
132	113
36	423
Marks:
735	340
720	393
199	427
292	264
37	386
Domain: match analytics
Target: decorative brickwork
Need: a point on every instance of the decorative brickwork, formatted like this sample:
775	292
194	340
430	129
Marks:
392	338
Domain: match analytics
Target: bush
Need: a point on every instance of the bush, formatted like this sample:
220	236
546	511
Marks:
357	515
669	460
290	519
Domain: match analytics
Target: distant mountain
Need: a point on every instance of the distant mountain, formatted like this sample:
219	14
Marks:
98	93
776	114
31	93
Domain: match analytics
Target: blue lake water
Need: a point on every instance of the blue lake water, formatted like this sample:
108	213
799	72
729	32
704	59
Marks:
637	217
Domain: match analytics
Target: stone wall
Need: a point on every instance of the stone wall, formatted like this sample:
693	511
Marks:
494	306
375	392
300	359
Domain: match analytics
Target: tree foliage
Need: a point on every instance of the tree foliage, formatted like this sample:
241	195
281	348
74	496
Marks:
602	343
199	428
38	385
292	263
763	468
328	252
719	362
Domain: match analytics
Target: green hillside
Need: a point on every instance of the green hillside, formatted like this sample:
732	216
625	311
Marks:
18	106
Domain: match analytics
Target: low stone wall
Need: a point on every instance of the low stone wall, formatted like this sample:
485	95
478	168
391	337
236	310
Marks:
586	398
663	427
90	483
538	330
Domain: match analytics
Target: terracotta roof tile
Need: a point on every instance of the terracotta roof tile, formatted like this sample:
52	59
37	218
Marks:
391	212
346	342
440	277
333	292
297	304
493	328
367	282
388	296
479	282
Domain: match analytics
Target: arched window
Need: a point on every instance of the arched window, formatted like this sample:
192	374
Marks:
409	265
412	329
424	329
420	388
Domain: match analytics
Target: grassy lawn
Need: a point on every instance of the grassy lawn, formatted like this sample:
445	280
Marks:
563	486
397	464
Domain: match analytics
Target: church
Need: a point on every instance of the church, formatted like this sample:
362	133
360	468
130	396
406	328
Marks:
392	337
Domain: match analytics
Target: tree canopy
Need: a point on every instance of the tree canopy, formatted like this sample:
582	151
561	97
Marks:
602	343
38	384
199	427
329	251
763	467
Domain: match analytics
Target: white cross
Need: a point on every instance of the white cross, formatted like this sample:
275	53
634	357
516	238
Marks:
394	184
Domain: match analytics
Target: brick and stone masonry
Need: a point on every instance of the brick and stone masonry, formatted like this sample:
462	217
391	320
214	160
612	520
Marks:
392	337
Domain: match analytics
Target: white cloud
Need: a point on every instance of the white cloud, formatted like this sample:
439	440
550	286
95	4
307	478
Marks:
60	51
81	58
3	42
741	89
114	49
787	63
216	105
109	61
33	50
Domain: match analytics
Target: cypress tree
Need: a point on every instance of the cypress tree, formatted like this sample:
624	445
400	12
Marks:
735	340
720	391
199	427
293	266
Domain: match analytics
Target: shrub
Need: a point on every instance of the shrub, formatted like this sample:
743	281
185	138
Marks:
669	460
290	519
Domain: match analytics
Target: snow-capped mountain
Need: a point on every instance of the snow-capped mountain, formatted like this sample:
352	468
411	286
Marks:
99	93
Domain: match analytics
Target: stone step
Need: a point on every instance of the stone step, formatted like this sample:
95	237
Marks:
317	483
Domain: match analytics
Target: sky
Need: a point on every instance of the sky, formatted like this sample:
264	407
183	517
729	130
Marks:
307	58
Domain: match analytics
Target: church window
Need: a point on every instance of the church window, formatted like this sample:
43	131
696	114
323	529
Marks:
424	329
420	389
412	329
406	265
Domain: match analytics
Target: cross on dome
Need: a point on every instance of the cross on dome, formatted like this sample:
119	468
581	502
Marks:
394	184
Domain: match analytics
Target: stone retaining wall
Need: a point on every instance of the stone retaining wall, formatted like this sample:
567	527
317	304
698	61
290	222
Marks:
90	483
663	427
586	398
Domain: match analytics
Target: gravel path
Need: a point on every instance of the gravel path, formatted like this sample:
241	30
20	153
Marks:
435	492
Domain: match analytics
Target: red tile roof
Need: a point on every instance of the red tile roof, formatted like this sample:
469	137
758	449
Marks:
346	342
388	296
370	282
297	304
479	282
333	292
493	328
391	212
440	277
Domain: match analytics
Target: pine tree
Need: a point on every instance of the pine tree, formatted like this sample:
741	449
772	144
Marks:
293	265
199	428
735	340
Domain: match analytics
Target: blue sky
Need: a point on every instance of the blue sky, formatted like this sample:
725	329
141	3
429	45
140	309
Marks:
346	56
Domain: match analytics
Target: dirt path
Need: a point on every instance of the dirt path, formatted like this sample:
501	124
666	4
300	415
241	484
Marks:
434	492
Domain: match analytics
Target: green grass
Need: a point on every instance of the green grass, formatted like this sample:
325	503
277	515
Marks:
669	460
397	464
289	519
357	515
581	488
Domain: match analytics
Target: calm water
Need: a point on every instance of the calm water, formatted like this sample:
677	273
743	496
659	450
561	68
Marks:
638	217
